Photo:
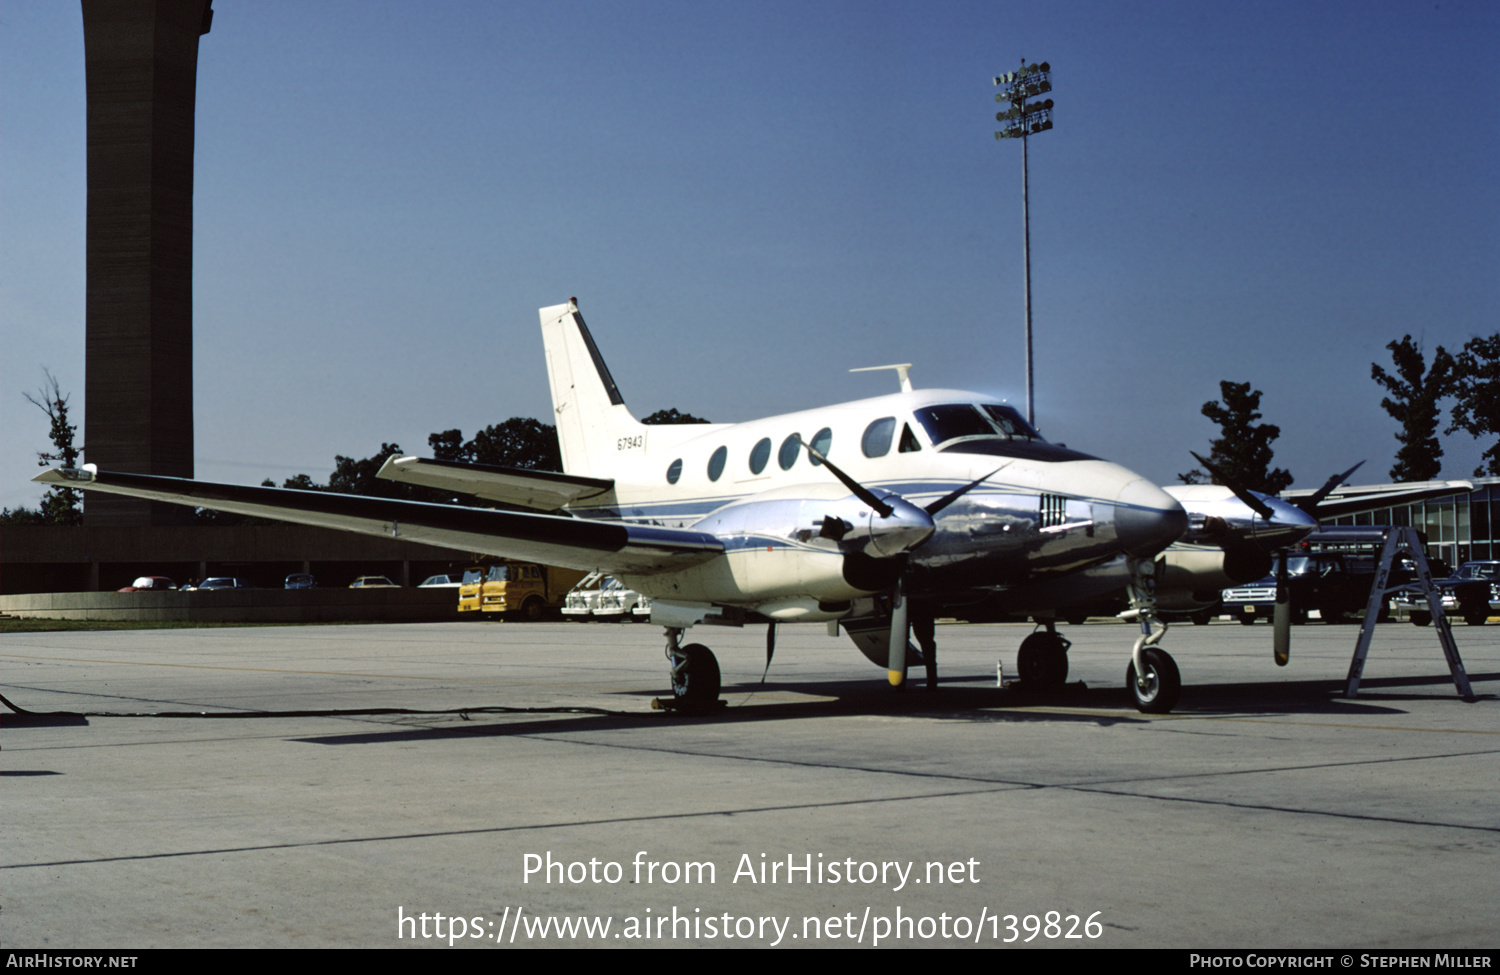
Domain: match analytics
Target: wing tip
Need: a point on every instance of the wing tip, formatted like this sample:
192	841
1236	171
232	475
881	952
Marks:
67	475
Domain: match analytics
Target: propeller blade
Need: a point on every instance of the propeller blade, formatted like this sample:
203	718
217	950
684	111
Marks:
1281	619
1310	503
860	491
952	496
770	649
1240	491
896	662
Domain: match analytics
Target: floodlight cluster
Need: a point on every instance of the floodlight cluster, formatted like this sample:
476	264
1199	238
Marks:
1024	118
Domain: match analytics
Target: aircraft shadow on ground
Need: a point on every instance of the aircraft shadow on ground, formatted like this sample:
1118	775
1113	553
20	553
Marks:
1014	704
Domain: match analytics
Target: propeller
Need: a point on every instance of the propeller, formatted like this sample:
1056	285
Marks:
837	528
1240	491
1310	503
882	508
953	496
1281	618
895	668
770	649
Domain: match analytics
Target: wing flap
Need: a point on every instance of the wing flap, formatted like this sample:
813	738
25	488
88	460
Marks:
550	539
542	490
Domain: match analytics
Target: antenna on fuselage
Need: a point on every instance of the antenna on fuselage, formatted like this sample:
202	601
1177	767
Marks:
902	373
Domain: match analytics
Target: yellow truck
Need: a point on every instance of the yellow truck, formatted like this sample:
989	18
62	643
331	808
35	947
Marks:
518	590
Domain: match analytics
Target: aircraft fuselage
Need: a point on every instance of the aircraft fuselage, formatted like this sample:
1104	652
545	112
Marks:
1039	509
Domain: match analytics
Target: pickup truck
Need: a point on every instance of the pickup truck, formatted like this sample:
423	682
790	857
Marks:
1322	581
516	590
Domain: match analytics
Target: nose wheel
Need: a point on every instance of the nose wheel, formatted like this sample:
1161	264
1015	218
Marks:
1155	690
1152	677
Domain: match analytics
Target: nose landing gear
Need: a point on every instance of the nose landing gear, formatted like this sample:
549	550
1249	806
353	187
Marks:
1152	676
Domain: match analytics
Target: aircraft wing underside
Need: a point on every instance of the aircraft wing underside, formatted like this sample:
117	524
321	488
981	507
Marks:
542	490
550	539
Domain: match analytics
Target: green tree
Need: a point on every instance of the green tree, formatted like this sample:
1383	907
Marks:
303	483
357	476
1243	452
1413	402
353	475
60	505
672	416
518	442
1477	387
449	445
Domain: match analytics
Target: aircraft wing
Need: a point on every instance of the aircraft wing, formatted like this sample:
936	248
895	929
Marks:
550	539
542	490
1354	501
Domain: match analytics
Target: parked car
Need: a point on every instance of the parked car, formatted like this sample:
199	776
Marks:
373	582
301	580
1472	592
150	584
581	599
224	582
616	601
444	581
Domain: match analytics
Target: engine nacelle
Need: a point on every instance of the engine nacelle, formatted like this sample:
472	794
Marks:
1205	571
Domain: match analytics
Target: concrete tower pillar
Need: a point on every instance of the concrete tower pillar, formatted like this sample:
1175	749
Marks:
141	58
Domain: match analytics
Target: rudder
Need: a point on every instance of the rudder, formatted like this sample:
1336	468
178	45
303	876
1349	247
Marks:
587	406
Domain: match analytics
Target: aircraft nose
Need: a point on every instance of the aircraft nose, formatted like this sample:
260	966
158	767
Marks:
1147	519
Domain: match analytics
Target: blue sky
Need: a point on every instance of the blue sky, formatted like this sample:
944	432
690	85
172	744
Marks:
750	199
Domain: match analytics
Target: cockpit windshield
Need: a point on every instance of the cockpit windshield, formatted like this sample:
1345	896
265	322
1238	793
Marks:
1010	422
950	422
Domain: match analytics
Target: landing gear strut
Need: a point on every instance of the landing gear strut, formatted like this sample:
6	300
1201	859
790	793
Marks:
695	675
1152	676
1043	658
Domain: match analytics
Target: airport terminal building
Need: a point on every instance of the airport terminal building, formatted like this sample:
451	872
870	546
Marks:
1459	527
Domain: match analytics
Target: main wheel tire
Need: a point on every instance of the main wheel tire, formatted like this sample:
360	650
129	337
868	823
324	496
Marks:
1163	683
1042	661
1421	618
533	610
696	685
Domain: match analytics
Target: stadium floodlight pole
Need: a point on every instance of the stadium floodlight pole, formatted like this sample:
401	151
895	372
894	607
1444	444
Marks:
1019	121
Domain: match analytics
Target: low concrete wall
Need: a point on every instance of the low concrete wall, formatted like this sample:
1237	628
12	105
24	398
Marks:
43	558
240	605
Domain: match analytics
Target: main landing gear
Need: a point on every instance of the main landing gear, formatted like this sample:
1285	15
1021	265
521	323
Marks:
695	676
1043	658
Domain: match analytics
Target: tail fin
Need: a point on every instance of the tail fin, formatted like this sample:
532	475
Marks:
591	416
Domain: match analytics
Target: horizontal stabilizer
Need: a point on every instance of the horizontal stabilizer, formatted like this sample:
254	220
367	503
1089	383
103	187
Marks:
574	543
542	490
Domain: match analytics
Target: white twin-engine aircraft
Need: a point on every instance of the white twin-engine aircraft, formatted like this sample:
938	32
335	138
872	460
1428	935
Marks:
880	514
